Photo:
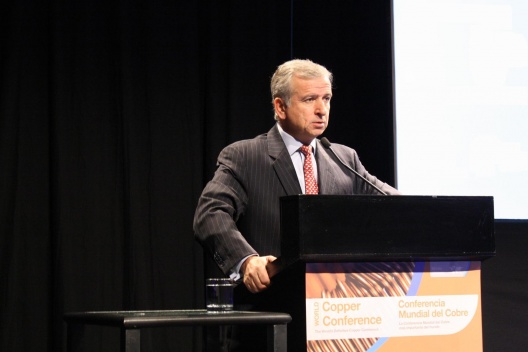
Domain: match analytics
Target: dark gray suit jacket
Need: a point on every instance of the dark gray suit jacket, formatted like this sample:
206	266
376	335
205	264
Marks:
238	212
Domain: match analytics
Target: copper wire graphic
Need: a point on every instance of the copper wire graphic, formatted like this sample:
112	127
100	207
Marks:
358	280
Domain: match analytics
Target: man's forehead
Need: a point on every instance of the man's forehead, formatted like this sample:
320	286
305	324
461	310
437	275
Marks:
301	84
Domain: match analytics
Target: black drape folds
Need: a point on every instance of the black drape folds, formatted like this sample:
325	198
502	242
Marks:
25	241
112	114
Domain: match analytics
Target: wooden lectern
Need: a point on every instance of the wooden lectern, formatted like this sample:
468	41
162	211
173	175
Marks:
356	251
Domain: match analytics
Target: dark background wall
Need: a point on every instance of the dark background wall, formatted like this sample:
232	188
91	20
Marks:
111	118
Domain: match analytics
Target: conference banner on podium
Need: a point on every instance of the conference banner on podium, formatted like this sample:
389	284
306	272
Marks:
403	306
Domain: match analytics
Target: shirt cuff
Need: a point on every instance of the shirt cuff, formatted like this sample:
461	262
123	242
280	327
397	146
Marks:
235	271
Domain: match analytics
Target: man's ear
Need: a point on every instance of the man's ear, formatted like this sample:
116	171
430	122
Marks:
280	108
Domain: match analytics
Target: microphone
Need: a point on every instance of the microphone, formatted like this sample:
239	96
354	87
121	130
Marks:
326	143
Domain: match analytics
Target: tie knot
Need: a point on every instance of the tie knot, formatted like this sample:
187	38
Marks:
306	150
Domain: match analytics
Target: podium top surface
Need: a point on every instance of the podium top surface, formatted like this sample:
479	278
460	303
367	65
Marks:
374	228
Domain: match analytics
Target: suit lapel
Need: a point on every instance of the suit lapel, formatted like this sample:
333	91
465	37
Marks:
325	166
282	165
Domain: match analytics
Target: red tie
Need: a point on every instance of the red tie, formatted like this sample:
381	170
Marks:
309	178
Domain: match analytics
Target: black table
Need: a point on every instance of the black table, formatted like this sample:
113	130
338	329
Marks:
130	323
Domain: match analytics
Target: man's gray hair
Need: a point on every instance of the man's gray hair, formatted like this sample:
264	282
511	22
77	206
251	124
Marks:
281	80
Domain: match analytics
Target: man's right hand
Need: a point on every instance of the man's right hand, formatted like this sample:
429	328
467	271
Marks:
256	278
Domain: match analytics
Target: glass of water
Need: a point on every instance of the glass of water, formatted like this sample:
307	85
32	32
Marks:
219	294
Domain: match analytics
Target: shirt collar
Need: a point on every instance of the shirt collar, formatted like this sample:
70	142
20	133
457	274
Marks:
292	144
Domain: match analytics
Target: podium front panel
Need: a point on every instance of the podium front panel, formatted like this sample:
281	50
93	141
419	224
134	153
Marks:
385	307
383	273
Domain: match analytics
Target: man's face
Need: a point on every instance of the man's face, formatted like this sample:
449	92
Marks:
307	115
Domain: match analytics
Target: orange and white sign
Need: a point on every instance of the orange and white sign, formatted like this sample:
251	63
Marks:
393	306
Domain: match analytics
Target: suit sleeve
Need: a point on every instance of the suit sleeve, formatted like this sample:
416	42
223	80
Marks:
222	202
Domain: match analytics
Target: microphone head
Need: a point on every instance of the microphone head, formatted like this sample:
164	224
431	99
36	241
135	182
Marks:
326	143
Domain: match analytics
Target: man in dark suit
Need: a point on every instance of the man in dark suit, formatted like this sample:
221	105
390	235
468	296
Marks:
237	217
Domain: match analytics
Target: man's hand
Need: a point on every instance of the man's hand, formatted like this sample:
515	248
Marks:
256	276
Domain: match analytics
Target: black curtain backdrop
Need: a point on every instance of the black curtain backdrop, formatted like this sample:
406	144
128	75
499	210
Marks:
112	115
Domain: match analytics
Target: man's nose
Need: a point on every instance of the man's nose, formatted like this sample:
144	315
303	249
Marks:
320	108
